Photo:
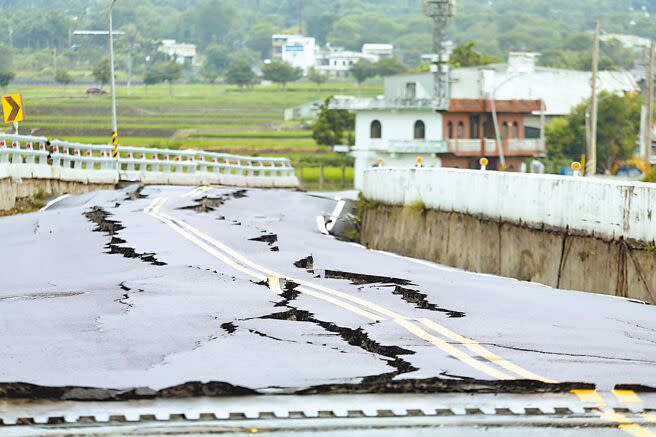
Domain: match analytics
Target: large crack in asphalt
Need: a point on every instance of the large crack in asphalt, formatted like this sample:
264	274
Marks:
104	224
400	286
209	204
354	337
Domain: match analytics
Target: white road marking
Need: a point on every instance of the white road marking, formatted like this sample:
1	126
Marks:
54	201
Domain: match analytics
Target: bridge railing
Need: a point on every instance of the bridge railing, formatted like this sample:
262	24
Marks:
147	164
82	156
21	149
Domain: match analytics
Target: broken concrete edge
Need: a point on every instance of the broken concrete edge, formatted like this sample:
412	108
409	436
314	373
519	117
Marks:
638	388
215	389
23	184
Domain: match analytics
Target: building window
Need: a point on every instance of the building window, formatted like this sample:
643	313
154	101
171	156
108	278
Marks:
515	130
461	130
474	127
376	129
420	130
410	90
450	130
504	132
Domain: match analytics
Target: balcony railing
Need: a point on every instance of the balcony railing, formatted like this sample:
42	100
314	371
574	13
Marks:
488	147
355	104
417	146
465	147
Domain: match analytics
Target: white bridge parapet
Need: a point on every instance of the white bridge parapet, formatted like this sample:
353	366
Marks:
608	209
36	157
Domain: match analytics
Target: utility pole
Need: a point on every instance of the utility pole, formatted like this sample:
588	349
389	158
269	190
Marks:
649	107
113	81
441	11
129	82
11	37
591	164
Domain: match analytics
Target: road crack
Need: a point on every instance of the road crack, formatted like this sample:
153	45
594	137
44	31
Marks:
104	224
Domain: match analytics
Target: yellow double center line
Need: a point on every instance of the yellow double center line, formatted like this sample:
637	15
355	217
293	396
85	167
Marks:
374	312
492	366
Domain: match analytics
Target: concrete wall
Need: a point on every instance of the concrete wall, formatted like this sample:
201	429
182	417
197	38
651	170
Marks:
603	208
569	233
480	245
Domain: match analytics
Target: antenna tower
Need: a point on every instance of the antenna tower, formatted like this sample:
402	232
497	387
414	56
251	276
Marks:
441	12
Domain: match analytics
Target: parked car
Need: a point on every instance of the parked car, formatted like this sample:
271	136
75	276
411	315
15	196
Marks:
95	92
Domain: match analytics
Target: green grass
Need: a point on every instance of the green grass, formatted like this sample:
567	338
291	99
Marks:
266	134
219	118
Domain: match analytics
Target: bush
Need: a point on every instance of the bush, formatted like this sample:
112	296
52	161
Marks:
63	77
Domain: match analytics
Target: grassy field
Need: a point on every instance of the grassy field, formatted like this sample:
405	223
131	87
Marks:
211	117
218	118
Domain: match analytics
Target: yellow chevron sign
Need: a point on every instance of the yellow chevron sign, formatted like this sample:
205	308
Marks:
12	108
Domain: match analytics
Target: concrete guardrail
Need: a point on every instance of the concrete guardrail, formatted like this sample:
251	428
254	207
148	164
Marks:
608	209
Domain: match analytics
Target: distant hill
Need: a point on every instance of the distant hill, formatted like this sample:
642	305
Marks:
557	28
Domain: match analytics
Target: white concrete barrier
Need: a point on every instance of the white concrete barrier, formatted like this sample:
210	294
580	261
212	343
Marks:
602	208
38	158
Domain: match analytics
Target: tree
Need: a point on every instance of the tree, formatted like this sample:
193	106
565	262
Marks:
281	72
240	73
170	72
619	127
102	72
389	67
259	39
320	26
466	56
217	57
209	74
62	77
317	77
363	70
6	77
333	126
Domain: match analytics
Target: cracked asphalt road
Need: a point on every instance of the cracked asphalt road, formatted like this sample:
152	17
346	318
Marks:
116	290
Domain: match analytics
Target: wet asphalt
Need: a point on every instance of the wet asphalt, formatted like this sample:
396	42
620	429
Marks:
96	292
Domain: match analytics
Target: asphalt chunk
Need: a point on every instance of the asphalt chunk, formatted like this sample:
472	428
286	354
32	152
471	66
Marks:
269	239
306	263
136	194
229	327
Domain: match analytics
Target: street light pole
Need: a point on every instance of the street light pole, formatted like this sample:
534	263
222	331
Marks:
113	83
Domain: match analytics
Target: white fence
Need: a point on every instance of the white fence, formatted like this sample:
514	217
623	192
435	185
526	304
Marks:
604	208
36	157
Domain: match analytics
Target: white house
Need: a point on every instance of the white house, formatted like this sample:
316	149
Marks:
297	50
405	123
378	51
339	63
182	53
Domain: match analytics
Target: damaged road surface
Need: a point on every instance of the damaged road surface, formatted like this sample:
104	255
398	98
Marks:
174	293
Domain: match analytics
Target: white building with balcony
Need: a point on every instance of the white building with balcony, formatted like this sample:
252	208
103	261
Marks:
403	124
